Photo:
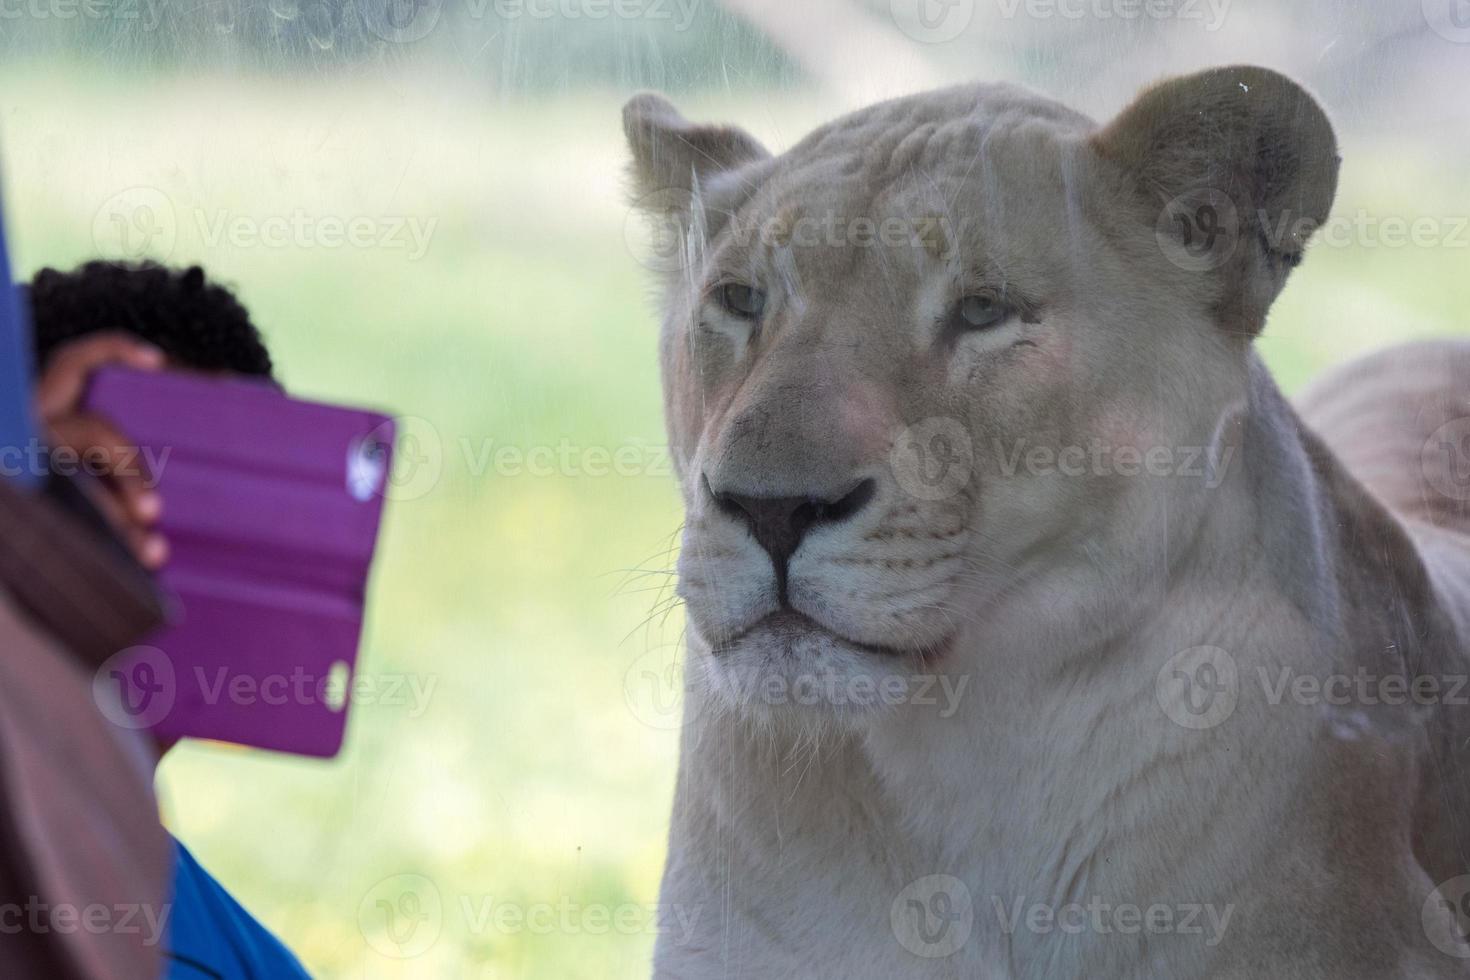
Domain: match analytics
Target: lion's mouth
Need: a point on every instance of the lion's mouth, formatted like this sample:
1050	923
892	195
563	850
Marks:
787	628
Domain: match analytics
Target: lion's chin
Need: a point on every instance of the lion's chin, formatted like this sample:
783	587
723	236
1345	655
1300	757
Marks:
787	664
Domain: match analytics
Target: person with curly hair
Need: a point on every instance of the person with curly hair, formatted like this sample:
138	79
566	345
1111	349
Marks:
151	317
196	323
101	309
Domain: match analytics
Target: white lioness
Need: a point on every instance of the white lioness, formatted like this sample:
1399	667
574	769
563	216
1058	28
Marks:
1032	633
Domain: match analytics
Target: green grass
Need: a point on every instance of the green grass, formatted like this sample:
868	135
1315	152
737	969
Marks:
529	777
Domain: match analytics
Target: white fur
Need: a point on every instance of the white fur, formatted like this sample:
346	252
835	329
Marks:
1029	743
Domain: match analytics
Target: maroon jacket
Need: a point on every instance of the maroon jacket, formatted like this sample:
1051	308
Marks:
84	860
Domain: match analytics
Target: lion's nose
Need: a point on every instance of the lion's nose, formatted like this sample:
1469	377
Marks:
778	524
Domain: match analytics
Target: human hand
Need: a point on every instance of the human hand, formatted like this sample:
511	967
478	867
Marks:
123	490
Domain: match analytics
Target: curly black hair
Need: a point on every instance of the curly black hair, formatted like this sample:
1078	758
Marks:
197	324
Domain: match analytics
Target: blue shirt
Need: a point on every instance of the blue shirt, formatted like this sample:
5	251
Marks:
17	427
211	935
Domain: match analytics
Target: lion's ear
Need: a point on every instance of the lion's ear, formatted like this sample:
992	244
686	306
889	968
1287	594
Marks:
1237	168
671	154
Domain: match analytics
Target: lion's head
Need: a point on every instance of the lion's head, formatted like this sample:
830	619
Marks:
954	348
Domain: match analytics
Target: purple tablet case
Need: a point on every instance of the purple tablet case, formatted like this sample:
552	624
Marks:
271	508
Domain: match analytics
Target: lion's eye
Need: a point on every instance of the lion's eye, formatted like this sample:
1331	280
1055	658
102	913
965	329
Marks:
741	300
980	311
